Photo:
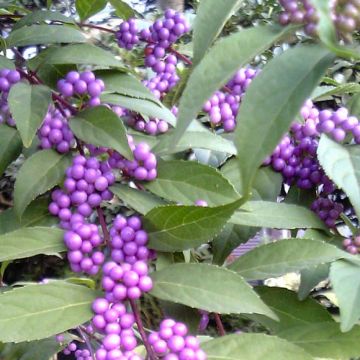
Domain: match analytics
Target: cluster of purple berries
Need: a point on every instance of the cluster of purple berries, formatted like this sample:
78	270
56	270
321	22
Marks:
172	342
125	281
153	127
83	84
143	167
8	78
168	30
339	125
222	107
80	354
327	210
127	35
352	245
128	240
56	133
345	15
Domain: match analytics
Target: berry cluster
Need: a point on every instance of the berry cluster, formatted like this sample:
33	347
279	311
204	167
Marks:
55	132
352	245
153	127
127	35
125	281
8	78
80	354
84	85
143	167
328	210
345	15
171	342
222	107
128	240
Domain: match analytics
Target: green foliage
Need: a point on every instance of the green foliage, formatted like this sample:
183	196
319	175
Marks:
28	105
39	173
57	306
87	8
208	287
10	146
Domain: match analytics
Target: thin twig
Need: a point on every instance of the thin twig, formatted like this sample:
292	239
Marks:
219	325
140	326
87	342
103	225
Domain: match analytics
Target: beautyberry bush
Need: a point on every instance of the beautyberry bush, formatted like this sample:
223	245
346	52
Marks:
134	173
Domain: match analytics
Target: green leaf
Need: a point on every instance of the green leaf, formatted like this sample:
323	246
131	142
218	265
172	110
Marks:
210	19
194	140
87	8
354	105
100	126
41	349
284	256
35	312
36	214
10	146
272	102
43	35
325	340
342	165
142	106
176	228
42	16
28	105
348	88
252	347
6	63
219	64
140	201
290	311
77	54
185	182
207	287
122	9
229	239
276	215
28	242
345	279
125	84
311	277
39	173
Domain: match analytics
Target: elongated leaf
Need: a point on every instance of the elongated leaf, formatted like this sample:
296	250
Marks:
87	8
207	287
195	140
141	106
10	146
210	19
42	16
252	347
272	102
43	35
125	84
35	312
229	239
42	349
6	63
175	228
354	105
39	173
102	127
342	165
141	201
325	340
311	277
122	9
78	54
37	214
349	88
28	242
185	182
290	311
284	256
218	66
28	105
345	279
276	215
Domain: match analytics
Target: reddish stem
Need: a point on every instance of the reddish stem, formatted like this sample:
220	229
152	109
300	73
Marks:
219	325
101	28
141	329
103	225
87	342
180	56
